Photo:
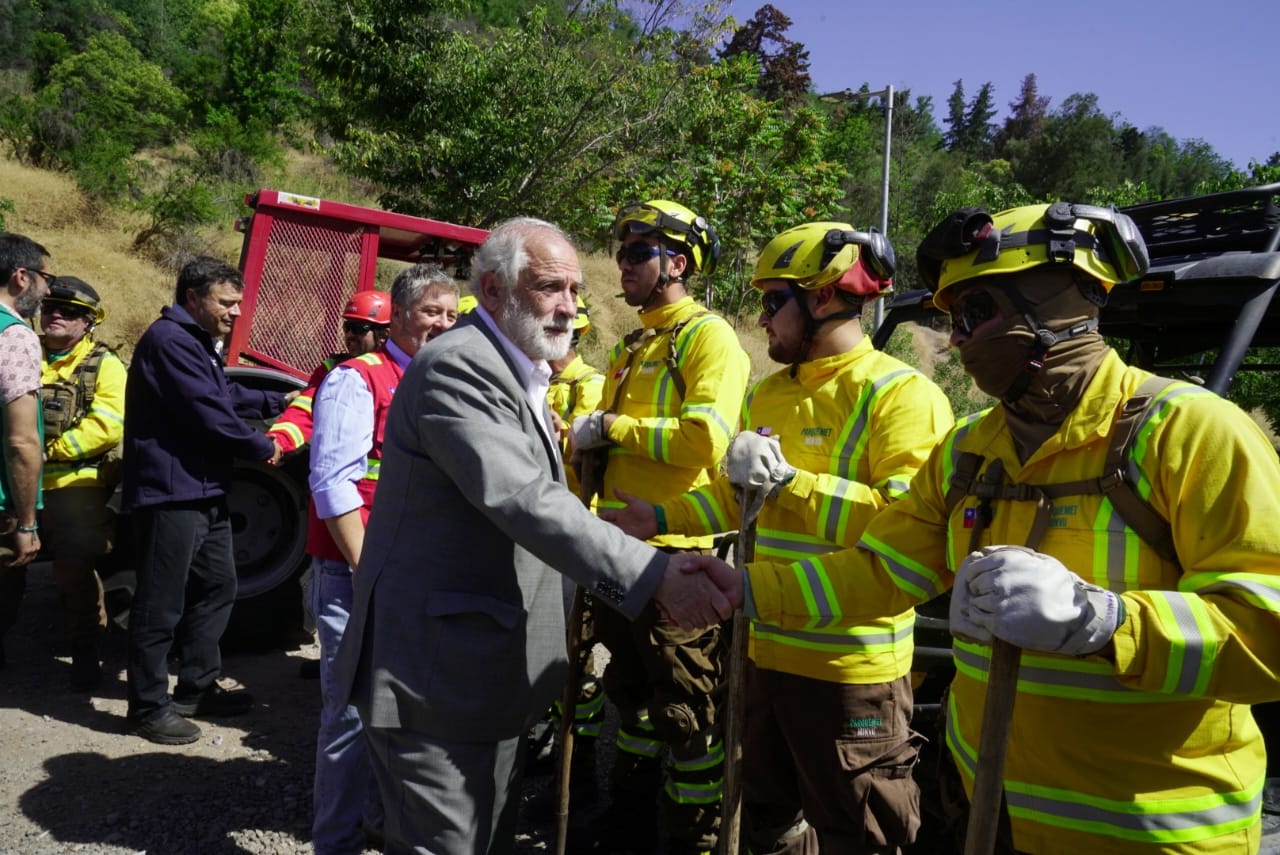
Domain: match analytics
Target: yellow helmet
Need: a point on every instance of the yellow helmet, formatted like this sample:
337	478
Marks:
466	303
581	321
678	224
814	255
969	243
70	291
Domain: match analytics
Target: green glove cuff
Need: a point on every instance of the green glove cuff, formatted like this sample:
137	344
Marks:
661	517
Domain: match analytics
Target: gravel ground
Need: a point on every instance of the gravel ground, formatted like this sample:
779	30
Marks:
72	779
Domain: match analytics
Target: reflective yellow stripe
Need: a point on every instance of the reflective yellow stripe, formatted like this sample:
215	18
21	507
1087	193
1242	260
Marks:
909	575
372	468
1057	676
713	758
846	639
688	793
1192	642
709	512
790	545
1150	820
290	430
820	599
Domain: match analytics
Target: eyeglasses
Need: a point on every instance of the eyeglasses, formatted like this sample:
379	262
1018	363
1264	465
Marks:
972	310
771	302
65	310
639	252
48	278
358	327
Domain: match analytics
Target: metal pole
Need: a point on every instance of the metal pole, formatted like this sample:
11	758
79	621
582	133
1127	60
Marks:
884	189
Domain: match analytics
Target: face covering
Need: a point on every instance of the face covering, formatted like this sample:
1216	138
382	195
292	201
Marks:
1000	353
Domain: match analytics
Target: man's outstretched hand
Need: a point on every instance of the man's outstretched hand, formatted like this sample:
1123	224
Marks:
698	591
637	517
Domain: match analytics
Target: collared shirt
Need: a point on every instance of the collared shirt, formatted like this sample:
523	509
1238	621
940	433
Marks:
19	360
343	435
534	377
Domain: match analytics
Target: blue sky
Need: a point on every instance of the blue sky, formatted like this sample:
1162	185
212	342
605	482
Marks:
1204	69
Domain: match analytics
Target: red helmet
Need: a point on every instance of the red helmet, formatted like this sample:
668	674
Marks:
372	307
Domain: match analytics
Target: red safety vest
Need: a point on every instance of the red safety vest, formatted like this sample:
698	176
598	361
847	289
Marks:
381	374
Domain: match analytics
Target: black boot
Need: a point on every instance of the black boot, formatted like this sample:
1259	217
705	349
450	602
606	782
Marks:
629	826
86	668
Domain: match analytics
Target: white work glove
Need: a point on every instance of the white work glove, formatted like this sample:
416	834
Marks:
588	432
1032	601
756	461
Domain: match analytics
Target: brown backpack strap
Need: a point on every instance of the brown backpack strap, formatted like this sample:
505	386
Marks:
1137	513
673	365
962	478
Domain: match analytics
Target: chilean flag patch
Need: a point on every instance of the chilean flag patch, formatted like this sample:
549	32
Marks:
970	516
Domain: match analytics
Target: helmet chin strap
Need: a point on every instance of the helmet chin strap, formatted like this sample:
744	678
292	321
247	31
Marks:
812	324
1045	338
664	279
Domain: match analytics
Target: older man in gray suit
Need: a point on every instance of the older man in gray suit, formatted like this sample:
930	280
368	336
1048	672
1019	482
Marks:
456	642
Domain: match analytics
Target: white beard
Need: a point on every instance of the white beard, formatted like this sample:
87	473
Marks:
528	332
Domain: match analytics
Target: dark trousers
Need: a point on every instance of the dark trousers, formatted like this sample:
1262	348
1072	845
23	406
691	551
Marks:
76	529
185	590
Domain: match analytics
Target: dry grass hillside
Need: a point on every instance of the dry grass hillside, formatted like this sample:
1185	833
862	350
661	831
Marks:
88	243
95	246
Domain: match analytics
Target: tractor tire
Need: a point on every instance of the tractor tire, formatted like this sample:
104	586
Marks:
268	507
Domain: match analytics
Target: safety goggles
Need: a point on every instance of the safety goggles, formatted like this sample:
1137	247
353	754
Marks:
639	252
771	302
70	311
972	309
358	327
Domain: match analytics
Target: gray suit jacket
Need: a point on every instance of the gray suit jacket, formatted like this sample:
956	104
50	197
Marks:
457	629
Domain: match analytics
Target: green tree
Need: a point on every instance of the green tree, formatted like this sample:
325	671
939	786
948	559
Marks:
100	106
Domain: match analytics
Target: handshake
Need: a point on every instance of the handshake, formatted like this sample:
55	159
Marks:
698	591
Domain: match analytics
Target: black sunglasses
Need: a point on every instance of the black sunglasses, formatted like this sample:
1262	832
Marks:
972	310
639	252
771	302
67	310
358	327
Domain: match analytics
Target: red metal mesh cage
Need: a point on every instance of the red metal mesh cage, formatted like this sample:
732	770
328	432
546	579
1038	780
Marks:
310	271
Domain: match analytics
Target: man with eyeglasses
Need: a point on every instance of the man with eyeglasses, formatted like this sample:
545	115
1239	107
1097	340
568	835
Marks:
346	455
1110	545
22	264
833	438
672	393
83	409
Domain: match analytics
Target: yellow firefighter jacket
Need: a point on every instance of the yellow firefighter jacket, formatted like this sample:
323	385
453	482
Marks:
72	459
1156	750
856	426
666	443
574	392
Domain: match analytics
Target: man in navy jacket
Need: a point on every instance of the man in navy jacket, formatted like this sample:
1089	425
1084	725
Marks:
183	427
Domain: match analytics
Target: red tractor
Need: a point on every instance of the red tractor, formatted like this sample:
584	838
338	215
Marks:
302	259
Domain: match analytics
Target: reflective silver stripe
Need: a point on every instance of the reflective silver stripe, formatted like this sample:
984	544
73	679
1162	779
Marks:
1058	676
897	487
836	512
1154	820
796	546
710	413
1261	590
1188	666
918	582
813	577
857	428
1163	820
710	511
